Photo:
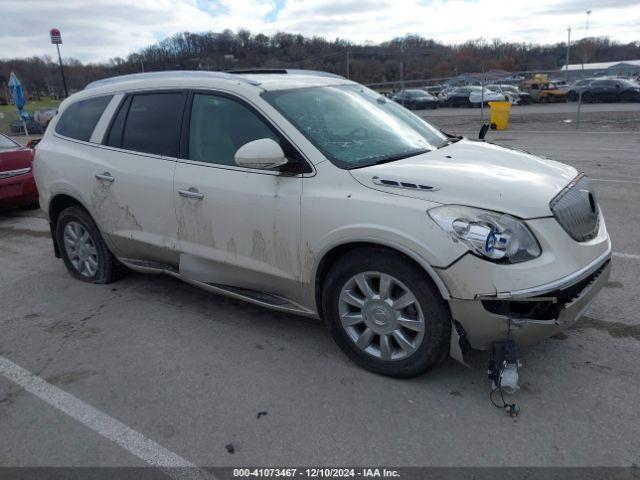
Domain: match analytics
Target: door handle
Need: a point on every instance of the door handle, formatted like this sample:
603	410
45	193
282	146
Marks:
105	177
191	193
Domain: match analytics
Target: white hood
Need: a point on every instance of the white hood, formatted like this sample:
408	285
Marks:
476	174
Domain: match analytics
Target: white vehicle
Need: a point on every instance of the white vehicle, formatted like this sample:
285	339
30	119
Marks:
479	95
311	194
444	95
512	94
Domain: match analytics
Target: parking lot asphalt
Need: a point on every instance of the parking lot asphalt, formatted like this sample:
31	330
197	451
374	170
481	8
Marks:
191	371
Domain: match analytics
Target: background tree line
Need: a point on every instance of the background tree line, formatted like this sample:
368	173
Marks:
421	58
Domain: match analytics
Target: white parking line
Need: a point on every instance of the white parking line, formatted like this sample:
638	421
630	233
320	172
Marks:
630	256
101	423
614	181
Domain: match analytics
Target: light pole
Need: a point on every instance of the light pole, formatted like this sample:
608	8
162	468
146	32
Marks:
566	63
584	59
586	28
56	39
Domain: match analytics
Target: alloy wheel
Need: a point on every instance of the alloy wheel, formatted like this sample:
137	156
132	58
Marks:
381	316
80	249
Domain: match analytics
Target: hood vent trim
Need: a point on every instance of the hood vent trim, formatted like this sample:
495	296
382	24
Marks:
383	182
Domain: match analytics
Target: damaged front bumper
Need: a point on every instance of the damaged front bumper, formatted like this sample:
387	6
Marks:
528	317
528	301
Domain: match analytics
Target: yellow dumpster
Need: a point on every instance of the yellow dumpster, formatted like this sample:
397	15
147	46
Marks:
499	119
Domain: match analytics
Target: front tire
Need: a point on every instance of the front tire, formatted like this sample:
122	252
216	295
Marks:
82	248
385	313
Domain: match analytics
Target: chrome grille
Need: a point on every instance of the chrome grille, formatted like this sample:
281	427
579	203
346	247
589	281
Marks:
576	209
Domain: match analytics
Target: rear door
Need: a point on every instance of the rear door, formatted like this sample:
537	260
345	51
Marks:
601	90
239	227
133	173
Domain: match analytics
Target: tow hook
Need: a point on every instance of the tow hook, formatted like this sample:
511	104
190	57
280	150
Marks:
503	374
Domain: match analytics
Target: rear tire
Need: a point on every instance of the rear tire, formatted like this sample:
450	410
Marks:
627	97
82	248
370	322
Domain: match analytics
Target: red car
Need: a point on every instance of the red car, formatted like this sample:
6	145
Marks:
17	186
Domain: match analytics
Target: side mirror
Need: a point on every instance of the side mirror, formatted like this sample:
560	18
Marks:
261	153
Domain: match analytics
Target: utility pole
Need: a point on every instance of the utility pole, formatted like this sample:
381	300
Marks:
566	63
56	39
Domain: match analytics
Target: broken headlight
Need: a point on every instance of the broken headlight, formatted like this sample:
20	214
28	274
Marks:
496	236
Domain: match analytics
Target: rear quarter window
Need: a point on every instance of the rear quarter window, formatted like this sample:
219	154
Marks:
79	119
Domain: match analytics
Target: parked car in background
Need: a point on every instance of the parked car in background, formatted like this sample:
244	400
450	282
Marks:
415	99
482	96
545	92
458	97
574	89
326	200
433	89
611	90
443	96
43	117
512	94
17	186
472	96
17	126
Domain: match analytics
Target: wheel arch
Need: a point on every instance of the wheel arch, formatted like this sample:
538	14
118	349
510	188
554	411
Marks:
57	205
336	252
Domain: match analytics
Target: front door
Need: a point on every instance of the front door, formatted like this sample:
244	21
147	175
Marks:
237	227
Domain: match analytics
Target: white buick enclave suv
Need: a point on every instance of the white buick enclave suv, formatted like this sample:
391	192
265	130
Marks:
311	194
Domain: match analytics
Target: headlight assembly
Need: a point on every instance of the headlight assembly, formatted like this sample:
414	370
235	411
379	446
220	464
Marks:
496	236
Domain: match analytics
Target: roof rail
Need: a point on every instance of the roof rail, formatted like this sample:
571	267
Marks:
248	71
169	74
273	71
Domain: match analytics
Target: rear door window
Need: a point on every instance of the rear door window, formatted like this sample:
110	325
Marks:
152	123
79	119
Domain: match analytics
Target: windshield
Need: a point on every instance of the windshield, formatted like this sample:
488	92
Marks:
354	126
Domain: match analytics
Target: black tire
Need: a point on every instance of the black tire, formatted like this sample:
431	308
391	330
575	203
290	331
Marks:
437	316
108	269
572	96
626	97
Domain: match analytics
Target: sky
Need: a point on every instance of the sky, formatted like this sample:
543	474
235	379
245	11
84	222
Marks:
97	30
